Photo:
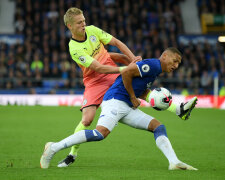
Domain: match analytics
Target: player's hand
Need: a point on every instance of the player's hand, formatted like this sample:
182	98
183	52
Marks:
136	59
135	101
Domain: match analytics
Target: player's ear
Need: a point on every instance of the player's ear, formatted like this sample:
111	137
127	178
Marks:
164	55
69	26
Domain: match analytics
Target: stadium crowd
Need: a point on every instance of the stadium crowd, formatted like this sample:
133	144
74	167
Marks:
146	27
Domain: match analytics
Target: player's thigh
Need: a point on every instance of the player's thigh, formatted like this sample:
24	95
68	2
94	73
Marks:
112	111
137	119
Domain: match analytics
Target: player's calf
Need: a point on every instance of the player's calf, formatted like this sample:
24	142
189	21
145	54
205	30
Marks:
162	141
97	134
103	131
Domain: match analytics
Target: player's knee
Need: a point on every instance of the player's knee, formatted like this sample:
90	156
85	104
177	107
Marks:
87	122
88	115
93	135
153	125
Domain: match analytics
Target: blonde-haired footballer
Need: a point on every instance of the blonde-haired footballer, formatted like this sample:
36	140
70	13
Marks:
99	69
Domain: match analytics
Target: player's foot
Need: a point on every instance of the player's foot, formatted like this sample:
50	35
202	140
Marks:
67	161
181	166
47	155
186	108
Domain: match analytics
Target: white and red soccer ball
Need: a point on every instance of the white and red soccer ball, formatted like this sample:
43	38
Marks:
160	98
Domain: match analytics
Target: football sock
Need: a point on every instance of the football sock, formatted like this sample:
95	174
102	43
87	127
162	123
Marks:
78	138
174	108
163	143
75	148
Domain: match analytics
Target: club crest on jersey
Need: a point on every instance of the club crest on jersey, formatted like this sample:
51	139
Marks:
145	68
82	59
93	38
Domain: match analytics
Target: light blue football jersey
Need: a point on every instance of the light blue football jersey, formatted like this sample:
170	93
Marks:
149	70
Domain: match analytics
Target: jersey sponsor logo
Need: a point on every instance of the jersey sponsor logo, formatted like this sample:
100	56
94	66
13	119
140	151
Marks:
145	68
82	59
95	51
93	38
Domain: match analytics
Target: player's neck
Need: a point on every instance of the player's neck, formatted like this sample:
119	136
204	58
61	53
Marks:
79	37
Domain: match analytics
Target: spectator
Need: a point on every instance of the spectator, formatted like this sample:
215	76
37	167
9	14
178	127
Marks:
206	82
37	64
146	27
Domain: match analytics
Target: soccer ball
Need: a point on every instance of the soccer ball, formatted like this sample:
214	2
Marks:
160	98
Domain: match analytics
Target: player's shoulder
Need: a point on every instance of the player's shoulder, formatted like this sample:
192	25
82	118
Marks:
151	64
152	61
91	28
74	46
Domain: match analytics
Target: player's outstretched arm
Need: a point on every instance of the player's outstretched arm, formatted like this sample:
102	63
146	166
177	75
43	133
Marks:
105	69
120	58
124	49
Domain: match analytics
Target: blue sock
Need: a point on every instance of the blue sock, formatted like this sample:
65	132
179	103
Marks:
93	135
160	131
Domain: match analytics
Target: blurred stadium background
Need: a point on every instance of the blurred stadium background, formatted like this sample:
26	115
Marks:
34	56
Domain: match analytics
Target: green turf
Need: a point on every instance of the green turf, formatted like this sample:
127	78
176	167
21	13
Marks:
126	154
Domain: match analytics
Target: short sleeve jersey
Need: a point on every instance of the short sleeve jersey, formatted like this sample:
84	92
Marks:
84	52
149	70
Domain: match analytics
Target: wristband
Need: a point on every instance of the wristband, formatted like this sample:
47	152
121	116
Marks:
121	68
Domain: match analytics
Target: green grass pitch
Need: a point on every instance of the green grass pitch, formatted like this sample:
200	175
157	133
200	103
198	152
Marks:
126	153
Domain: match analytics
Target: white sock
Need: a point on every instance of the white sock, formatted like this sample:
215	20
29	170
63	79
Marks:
163	143
178	111
77	138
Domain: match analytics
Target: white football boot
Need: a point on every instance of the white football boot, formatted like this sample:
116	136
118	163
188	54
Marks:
47	155
182	166
186	108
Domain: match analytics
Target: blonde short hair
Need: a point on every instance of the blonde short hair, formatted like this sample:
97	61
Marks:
70	13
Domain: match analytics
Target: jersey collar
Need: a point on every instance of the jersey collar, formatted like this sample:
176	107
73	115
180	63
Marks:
81	41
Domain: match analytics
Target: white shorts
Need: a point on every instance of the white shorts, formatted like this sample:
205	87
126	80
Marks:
114	111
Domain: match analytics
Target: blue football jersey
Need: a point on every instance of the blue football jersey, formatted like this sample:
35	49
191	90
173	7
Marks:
149	70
